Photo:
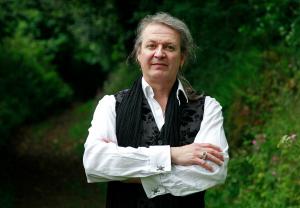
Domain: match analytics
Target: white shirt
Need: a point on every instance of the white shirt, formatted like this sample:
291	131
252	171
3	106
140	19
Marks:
104	160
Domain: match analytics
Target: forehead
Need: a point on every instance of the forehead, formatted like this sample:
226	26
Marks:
160	32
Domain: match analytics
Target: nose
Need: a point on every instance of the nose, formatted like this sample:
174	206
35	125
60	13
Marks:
159	52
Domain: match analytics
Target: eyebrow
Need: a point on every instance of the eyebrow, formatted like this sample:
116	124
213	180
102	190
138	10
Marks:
167	42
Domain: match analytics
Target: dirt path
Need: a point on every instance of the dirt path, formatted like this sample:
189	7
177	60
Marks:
45	183
43	164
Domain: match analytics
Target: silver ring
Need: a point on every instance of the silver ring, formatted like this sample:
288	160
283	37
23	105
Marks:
203	155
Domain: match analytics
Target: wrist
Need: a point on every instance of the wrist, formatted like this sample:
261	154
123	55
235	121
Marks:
174	153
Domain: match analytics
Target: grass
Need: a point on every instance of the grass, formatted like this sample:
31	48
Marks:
59	136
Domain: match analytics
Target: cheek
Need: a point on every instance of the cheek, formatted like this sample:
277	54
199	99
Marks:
139	56
145	57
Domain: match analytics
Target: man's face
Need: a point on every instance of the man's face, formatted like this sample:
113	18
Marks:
159	55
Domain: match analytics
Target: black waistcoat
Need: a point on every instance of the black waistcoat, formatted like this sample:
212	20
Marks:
123	195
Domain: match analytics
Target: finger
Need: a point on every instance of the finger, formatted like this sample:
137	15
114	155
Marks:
213	152
208	145
205	165
214	159
216	154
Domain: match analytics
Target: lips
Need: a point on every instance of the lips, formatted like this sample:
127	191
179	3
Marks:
159	64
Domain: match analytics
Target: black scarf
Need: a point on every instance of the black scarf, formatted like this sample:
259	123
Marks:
129	118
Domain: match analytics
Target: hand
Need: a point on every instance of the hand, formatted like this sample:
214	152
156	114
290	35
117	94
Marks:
191	154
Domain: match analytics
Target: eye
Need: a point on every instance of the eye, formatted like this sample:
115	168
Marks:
150	46
170	47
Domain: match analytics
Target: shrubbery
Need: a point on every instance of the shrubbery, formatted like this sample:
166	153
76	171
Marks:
263	168
29	86
122	78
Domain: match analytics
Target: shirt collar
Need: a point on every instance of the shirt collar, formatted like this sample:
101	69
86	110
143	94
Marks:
148	91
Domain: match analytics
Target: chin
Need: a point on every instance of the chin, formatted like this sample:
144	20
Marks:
161	77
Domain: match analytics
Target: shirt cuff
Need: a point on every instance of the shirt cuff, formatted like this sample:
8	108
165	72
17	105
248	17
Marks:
152	186
160	161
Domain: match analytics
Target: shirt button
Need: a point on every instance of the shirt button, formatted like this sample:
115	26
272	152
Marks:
160	142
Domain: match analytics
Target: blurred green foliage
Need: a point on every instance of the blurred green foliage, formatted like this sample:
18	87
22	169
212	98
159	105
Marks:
29	85
51	50
263	168
82	38
56	52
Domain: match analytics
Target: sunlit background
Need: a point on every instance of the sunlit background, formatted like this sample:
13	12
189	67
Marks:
58	58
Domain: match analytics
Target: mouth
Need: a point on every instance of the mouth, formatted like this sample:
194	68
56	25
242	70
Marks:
159	64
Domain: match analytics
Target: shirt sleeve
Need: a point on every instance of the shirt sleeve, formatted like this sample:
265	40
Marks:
104	160
184	180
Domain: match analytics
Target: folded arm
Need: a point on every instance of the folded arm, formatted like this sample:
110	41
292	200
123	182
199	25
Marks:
104	160
189	173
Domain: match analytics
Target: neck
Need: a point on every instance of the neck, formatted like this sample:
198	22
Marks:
161	91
